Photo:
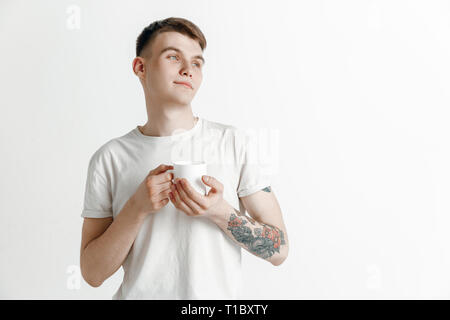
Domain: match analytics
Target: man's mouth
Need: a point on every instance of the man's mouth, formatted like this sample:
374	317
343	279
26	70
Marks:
184	84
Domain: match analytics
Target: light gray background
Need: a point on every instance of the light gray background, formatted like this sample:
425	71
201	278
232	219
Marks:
358	90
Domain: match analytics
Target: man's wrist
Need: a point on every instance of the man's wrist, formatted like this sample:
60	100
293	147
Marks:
133	209
221	212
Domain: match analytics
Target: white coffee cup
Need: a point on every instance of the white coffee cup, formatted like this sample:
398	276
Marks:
192	171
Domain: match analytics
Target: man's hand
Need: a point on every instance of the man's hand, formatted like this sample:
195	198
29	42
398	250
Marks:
185	198
153	193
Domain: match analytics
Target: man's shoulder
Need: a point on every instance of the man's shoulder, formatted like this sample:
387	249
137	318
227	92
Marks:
101	154
109	148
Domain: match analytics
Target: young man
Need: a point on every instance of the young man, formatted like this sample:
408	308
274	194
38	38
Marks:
173	242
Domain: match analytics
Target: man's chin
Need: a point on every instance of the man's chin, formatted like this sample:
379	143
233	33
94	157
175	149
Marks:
181	99
181	103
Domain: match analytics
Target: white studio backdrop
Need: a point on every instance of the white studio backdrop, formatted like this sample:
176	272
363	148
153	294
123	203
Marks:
357	90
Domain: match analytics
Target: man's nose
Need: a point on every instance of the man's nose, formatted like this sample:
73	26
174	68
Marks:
187	70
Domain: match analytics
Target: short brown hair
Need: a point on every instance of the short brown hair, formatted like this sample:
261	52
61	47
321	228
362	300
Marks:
180	25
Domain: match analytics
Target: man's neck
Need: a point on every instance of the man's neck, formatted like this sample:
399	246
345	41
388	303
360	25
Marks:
166	123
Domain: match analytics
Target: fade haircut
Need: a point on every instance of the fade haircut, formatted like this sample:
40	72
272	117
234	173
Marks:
180	25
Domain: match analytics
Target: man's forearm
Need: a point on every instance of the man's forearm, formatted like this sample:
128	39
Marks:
104	255
263	240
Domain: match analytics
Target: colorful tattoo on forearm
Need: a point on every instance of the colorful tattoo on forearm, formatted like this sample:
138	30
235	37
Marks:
263	242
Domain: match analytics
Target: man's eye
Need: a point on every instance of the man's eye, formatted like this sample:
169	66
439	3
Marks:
198	64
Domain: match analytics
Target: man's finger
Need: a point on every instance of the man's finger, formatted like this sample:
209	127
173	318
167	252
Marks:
178	202
162	187
161	178
195	207
165	185
192	193
162	195
213	183
161	168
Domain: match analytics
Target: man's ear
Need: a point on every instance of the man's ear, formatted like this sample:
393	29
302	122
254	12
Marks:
138	66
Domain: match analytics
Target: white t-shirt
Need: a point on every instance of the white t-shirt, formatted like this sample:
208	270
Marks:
175	256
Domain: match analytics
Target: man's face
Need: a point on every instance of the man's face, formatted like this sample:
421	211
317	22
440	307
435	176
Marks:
167	66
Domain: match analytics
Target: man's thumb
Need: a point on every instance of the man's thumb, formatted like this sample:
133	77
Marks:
211	182
207	180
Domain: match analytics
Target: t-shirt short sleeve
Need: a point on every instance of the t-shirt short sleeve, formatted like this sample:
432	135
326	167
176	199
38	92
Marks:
97	197
254	174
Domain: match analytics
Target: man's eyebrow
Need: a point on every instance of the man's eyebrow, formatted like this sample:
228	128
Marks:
178	50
